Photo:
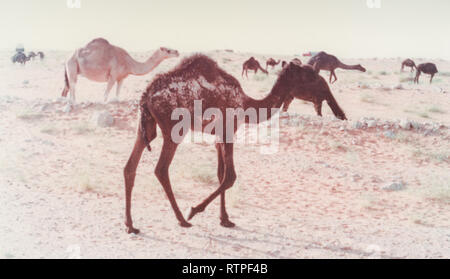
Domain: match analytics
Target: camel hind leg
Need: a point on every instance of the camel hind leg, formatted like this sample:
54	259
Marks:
131	166
224	219
226	183
287	103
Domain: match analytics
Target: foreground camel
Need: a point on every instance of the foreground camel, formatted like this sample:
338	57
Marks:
316	92
408	63
199	78
327	62
102	62
426	68
271	62
252	64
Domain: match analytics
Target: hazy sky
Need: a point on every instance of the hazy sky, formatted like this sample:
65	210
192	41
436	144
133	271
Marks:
347	28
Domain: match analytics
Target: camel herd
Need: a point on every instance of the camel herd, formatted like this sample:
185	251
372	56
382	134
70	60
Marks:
22	58
199	78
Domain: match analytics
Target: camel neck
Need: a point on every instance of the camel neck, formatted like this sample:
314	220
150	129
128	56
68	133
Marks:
139	69
273	100
347	67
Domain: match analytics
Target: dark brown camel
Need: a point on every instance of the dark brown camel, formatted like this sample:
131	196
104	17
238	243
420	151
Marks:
408	63
295	61
199	78
252	64
271	62
316	92
426	68
327	62
283	64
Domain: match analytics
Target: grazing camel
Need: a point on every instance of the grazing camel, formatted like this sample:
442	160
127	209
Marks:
252	64
283	64
272	62
102	62
315	91
408	63
426	68
199	78
327	62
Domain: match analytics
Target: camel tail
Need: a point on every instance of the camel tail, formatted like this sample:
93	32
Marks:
338	112
145	118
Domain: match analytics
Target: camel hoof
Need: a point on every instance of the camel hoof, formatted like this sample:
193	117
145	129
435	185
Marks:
227	224
131	230
185	224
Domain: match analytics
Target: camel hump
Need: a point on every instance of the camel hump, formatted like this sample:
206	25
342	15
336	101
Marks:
199	64
99	41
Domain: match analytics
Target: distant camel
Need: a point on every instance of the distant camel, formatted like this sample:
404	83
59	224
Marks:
295	60
426	68
200	78
20	58
271	62
102	62
283	64
327	62
252	64
41	55
315	91
32	55
408	63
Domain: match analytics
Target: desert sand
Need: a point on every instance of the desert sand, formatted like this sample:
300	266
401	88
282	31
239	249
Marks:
375	186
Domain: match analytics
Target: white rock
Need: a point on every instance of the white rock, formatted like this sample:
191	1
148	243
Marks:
67	108
371	123
389	134
103	119
395	186
405	124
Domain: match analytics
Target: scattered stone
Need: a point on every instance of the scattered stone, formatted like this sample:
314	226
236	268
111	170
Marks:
103	119
371	123
25	82
405	124
399	87
389	134
395	186
356	177
67	108
357	125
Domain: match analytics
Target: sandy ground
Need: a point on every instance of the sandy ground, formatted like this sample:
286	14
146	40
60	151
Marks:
334	189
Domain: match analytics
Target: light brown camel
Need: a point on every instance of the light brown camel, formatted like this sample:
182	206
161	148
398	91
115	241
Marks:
102	62
199	78
427	68
327	62
316	92
271	62
408	63
252	64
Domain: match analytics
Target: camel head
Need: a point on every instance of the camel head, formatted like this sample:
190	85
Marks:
360	68
168	53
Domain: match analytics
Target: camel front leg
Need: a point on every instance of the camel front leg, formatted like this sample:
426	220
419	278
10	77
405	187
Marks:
130	175
119	86
287	103
224	219
318	108
162	173
431	79
109	86
227	181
